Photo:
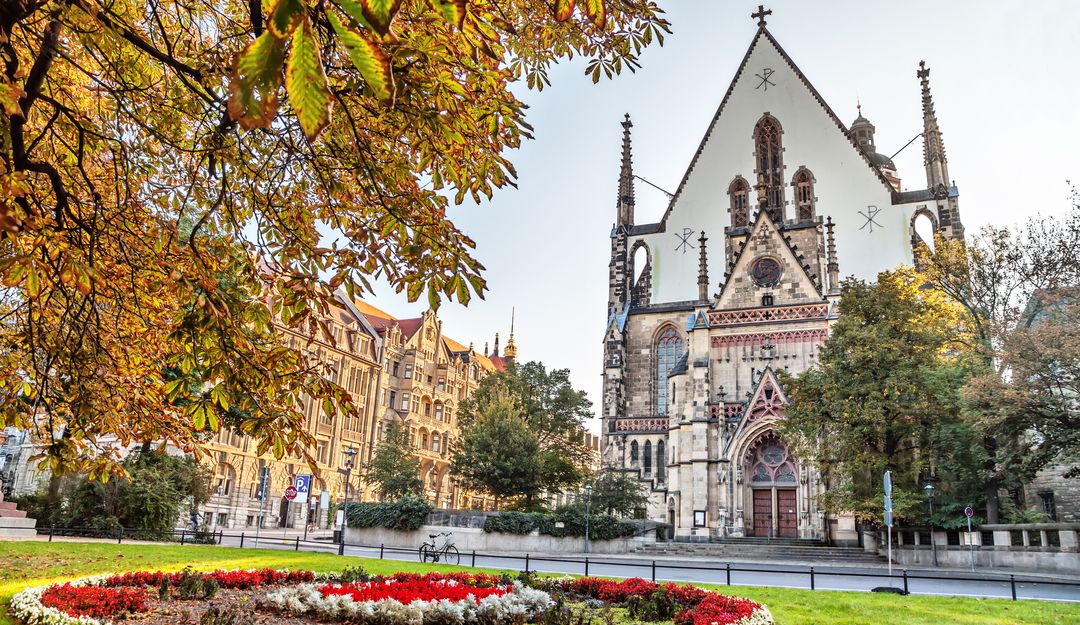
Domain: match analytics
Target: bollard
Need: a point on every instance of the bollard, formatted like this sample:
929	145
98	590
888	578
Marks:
474	558
905	582
297	544
120	536
241	540
381	548
51	529
728	573
183	535
586	566
220	536
812	579
1012	584
527	564
341	547
654	570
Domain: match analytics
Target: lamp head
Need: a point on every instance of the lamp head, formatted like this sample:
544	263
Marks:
929	488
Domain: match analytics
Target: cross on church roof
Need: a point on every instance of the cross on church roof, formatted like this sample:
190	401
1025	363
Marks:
760	15
923	72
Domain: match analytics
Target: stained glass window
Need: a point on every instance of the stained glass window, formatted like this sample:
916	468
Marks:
661	460
771	462
633	452
669	347
770	164
646	459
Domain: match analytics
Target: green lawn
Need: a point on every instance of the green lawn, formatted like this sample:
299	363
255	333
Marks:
35	563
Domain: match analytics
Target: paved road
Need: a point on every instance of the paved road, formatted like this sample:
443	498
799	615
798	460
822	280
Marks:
920	582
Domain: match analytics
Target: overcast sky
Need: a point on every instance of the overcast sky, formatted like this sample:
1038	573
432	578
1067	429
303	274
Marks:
1006	86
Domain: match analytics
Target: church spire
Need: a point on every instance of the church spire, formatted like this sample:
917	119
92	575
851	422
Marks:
495	352
832	266
511	347
703	269
937	167
626	178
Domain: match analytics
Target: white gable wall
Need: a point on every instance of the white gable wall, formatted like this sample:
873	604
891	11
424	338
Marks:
844	184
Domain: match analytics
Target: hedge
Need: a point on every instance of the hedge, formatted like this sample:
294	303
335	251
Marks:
601	526
406	514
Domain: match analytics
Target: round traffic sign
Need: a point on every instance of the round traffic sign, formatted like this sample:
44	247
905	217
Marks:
968	512
290	493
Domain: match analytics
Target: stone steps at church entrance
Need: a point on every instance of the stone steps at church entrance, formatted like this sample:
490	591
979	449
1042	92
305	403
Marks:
763	549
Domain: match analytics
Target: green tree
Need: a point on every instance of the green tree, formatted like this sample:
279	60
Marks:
886	396
394	470
498	452
617	493
1000	278
159	489
554	411
148	148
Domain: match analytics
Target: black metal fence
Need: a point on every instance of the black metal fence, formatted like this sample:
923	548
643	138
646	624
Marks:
708	572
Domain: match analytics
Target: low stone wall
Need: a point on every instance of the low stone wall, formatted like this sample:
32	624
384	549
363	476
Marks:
1046	547
468	539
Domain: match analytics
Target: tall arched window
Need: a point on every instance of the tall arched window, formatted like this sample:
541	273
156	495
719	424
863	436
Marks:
633	453
646	459
770	164
739	193
804	195
669	347
661	460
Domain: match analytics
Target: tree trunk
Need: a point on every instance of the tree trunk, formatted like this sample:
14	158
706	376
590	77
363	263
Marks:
992	500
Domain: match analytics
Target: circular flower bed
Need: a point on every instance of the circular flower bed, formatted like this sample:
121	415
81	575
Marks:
272	597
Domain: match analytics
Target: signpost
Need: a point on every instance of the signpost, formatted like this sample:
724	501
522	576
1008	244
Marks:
968	512
260	494
888	515
303	489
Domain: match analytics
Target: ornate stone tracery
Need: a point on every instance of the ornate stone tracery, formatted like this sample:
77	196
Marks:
769	461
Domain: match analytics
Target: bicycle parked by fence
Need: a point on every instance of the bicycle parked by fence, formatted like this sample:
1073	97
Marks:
446	552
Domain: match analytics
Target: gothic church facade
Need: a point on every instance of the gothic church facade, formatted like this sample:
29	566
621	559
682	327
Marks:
739	280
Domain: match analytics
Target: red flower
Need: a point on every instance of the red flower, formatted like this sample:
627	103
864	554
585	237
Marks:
409	587
702	607
94	601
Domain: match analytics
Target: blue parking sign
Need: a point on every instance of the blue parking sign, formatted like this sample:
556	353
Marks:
303	487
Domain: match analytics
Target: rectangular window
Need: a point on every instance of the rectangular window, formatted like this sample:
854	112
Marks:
404	402
222	519
1049	507
408	371
248	522
393	398
442	383
394	368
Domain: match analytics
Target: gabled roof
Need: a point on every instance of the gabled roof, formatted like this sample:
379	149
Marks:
766	402
368	310
453	346
763	33
739	264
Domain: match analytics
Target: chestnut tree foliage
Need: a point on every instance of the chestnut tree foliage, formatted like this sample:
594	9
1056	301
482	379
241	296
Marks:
179	177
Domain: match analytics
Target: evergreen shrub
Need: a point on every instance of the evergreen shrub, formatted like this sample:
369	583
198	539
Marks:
406	514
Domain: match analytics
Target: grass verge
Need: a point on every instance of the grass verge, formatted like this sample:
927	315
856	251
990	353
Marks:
32	563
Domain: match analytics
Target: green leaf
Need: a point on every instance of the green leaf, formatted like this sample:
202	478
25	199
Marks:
172	389
564	9
369	59
33	282
305	81
287	16
415	288
197	413
220	397
253	98
379	13
595	10
453	11
433	297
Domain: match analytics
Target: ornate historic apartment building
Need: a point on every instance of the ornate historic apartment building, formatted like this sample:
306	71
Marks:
403	370
740	280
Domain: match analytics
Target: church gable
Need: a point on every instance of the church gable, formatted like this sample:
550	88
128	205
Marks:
768	79
766	403
767	271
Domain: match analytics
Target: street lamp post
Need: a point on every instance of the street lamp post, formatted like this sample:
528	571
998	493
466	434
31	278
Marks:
588	499
929	488
350	455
